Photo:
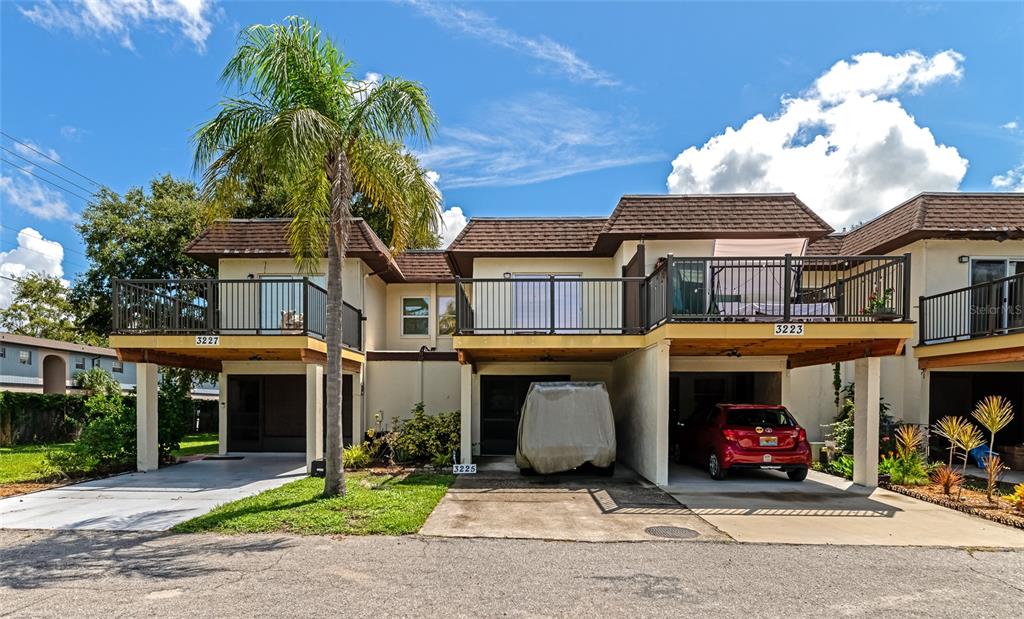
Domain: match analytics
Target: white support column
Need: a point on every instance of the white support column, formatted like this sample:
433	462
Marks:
357	406
222	413
314	414
466	413
867	379
786	388
147	386
661	385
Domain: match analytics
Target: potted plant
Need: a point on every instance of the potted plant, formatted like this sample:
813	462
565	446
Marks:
880	307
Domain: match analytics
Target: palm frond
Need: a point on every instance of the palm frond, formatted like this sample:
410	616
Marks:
391	179
994	412
310	211
393	111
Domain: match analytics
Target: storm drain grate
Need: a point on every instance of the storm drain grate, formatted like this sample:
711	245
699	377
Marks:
671	532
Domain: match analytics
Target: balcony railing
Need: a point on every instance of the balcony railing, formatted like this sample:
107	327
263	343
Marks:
226	306
747	289
983	310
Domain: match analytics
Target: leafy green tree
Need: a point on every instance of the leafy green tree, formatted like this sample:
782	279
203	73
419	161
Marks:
301	116
41	308
140	236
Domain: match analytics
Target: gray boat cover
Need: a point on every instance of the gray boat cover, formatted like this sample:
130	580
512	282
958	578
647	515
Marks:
564	425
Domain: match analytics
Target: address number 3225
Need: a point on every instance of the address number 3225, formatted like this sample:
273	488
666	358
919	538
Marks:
789	328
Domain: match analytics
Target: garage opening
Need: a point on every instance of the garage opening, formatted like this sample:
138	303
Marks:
956	393
501	400
696	393
268	413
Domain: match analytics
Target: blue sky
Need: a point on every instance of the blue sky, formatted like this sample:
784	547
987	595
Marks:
551	109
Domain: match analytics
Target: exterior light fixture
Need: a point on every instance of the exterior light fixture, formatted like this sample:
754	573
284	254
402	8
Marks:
964	259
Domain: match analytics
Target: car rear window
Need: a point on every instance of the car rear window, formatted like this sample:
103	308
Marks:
754	417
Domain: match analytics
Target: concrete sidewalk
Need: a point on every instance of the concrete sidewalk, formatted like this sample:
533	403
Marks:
153	501
766	507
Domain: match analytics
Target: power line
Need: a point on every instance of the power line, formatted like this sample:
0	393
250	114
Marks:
46	180
36	164
28	146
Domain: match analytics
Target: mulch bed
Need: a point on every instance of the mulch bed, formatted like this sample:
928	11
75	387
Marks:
971	502
15	489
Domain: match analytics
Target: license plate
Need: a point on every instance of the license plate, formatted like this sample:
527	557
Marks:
767	458
769	441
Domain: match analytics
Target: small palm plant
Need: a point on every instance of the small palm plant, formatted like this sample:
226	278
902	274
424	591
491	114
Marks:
995	413
907	466
971	438
951	428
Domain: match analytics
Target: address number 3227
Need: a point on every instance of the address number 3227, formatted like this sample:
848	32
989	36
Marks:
207	340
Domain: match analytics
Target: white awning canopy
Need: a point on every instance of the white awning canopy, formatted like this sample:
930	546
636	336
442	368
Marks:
738	248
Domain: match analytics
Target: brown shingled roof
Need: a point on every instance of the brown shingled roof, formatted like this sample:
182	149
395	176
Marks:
424	265
528	234
715	216
831	245
940	215
268	238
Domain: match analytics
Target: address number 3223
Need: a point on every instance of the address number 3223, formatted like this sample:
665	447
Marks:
789	328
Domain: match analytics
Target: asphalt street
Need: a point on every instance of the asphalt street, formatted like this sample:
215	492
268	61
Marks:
105	574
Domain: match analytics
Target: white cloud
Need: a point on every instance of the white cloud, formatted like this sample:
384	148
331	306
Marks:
847	146
453	220
119	18
1011	126
34	254
30	150
531	139
1013	180
552	53
70	132
34	198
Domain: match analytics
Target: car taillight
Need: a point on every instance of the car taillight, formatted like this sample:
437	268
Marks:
729	434
801	436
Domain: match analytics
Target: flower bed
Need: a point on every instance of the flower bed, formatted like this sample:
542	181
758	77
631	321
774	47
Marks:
971	502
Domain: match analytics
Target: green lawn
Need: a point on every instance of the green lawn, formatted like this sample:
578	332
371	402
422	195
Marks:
26	463
374	504
194	444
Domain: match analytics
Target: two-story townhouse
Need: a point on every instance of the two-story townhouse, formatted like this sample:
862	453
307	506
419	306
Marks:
675	302
967	303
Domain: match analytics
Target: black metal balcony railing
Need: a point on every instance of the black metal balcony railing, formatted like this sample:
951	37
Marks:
747	289
982	310
227	306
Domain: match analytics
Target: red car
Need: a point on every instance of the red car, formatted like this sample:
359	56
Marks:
734	436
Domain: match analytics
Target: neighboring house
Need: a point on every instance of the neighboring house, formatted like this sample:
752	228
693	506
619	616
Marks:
39	365
967	291
675	302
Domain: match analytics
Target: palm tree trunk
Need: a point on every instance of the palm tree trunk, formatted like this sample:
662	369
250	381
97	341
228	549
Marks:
339	175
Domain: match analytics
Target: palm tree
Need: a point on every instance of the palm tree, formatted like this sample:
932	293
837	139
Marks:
301	117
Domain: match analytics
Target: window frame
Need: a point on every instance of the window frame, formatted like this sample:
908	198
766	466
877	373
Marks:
80	363
25	357
403	315
117	367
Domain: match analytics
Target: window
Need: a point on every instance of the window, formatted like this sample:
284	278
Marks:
95	362
79	363
3	352
446	315
25	357
118	367
415	315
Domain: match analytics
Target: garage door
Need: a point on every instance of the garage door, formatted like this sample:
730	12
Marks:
501	400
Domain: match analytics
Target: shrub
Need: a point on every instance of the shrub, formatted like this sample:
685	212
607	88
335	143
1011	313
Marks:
40	417
947	477
427	438
97	381
841	467
357	456
906	466
1017	498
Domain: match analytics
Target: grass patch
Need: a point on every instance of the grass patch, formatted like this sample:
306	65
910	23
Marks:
27	463
194	444
378	504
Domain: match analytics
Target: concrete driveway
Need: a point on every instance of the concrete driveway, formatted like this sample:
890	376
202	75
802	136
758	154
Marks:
765	506
153	501
498	502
